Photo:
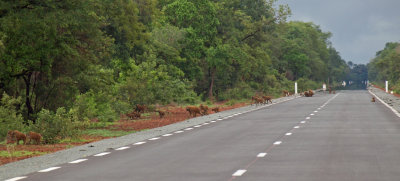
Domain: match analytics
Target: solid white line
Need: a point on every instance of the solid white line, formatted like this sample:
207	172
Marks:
156	138
277	142
239	173
288	134
260	155
296	127
16	178
78	161
167	135
49	169
187	129
303	122
122	148
139	143
178	132
102	154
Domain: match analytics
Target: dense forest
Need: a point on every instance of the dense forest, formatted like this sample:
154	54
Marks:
386	67
75	60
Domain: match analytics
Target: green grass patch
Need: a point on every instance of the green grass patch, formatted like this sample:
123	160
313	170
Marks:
20	153
74	140
106	133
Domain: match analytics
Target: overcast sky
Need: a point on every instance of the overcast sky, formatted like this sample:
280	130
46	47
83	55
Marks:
360	28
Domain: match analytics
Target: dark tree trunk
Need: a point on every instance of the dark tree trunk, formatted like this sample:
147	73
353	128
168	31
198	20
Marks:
28	103
210	92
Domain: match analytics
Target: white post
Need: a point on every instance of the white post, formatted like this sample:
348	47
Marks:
387	86
295	88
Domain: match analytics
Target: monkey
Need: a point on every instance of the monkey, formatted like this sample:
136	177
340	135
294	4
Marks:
256	100
193	110
33	136
310	92
203	109
133	115
285	93
267	99
15	136
373	99
161	113
140	108
215	109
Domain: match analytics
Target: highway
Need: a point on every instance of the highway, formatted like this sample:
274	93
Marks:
328	137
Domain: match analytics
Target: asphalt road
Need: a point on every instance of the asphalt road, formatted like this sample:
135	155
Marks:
347	138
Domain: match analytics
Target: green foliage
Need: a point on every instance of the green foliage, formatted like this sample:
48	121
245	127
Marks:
106	133
10	115
55	126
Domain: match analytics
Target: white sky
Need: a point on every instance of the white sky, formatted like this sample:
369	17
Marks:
360	28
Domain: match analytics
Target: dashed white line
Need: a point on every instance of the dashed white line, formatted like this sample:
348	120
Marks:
296	127
187	129
102	154
213	121
220	119
288	134
308	118
139	143
312	114
260	155
49	169
315	111
156	138
302	122
78	161
167	135
197	126
319	108
177	132
16	178
205	123
277	142
239	173
122	148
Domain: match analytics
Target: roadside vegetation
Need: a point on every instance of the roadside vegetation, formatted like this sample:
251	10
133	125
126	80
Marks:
77	69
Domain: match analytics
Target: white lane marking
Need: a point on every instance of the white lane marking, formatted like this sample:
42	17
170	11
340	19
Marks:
288	134
296	127
156	138
319	108
239	173
167	135
187	129
220	119
260	155
315	111
102	154
213	121
303	122
197	126
78	161
277	142
308	118
384	103
49	169
177	132
16	178
139	143
122	148
312	114
205	123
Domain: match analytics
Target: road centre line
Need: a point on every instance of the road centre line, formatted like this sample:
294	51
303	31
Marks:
288	134
239	173
260	155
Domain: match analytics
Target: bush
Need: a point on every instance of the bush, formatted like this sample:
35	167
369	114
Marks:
55	126
304	85
10	115
241	91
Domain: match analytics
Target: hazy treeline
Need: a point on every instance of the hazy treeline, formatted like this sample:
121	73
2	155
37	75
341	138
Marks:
99	58
386	66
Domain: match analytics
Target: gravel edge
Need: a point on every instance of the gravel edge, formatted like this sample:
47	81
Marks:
392	101
34	164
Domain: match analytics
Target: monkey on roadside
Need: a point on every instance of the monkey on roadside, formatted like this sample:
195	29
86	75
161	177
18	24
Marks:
33	136
15	136
193	110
